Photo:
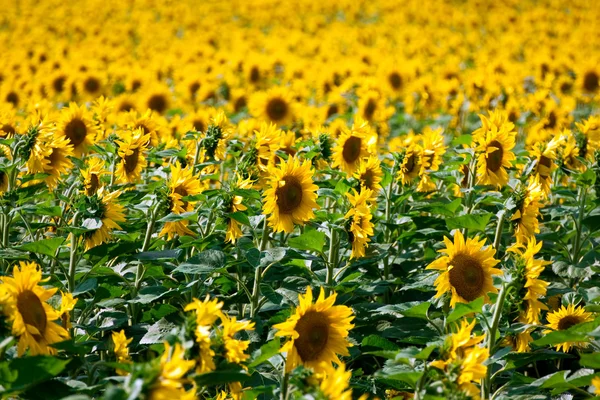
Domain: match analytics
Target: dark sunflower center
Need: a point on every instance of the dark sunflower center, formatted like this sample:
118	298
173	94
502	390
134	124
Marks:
8	130
76	131
465	180
135	85
410	164
131	161
54	157
194	87
157	103
369	110
240	103
254	74
289	196
91	85
126	106
368	179
546	162
13	98
58	84
395	80
494	159
551	123
591	81
313	331
332	110
32	310
277	109
180	190
567	322
199	125
351	150
467	276
93	185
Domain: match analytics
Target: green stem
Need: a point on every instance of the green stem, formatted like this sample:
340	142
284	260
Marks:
141	268
331	261
486	386
73	256
579	225
254	304
498	237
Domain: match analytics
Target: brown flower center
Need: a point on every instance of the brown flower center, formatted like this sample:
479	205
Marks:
352	148
368	178
13	98
494	159
277	109
75	131
91	85
240	103
395	80
158	103
567	322
126	106
199	125
32	310
8	130
180	190
313	331
58	84
289	196
254	74
590	81
93	185
332	110
369	110
131	161
467	276
546	162
409	166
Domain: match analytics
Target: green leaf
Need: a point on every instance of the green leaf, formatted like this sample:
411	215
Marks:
240	217
202	263
312	240
418	311
85	286
378	342
157	332
577	333
46	247
591	360
221	377
29	371
265	352
462	309
474	222
159	255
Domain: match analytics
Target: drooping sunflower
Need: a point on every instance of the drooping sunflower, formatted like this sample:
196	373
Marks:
352	146
467	269
525	218
318	332
411	164
276	106
494	140
108	212
336	383
8	124
291	195
369	174
266	145
564	318
530	288
182	183
234	348
359	225
473	370
77	126
33	319
432	149
206	313
233	227
92	175
170	384
121	349
545	156
67	304
132	149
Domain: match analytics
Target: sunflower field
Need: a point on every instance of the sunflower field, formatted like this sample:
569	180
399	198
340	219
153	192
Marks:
299	200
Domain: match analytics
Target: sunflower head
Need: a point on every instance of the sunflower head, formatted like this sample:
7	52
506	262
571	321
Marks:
318	332
564	318
352	146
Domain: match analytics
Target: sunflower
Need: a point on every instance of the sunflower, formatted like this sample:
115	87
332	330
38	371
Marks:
472	369
564	318
318	332
589	140
410	165
369	175
371	107
157	98
33	319
67	304
132	149
545	156
77	126
235	348
233	228
120	343
525	218
147	122
182	183
335	385
432	149
109	213
467	269
530	288
352	146
266	145
213	142
596	385
275	106
494	140
170	382
291	195
360	227
55	159
92	175
8	124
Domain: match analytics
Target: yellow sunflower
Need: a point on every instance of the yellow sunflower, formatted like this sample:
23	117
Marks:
235	348
170	383
564	318
67	304
275	106
77	126
352	146
291	195
266	145
120	343
110	214
148	123
359	220
92	175
206	312
467	269
318	332
182	183
33	319
494	140
8	124
525	218
528	273
55	161
132	149
157	98
545	159
335	385
432	149
472	369
233	227
370	175
411	164
590	139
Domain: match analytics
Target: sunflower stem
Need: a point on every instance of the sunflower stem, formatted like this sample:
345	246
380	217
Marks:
254	304
331	261
499	226
72	256
486	386
141	270
579	224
